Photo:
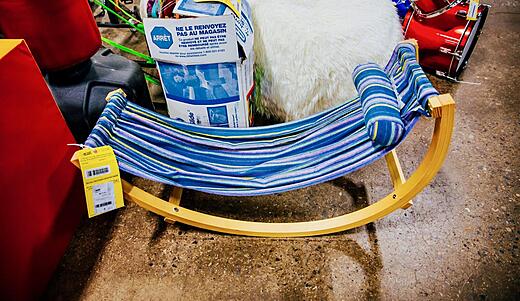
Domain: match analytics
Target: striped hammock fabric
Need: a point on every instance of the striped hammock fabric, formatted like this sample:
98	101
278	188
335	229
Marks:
259	160
380	105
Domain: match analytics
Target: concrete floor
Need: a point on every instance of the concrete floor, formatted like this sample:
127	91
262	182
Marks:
459	241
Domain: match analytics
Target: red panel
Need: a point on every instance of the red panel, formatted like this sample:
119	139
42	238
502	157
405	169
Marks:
42	199
60	33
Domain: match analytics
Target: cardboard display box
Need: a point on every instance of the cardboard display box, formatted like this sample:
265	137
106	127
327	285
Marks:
205	62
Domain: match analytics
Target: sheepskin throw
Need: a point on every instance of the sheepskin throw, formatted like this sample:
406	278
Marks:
306	50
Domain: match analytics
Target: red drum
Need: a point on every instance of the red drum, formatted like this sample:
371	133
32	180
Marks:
445	41
433	8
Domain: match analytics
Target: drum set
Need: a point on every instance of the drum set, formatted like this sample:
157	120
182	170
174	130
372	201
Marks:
447	32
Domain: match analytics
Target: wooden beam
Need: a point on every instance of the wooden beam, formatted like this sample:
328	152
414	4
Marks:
396	173
175	199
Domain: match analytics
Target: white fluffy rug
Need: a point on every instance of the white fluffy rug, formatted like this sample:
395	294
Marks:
306	50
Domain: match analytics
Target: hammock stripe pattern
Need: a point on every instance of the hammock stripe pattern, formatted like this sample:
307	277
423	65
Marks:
380	105
261	160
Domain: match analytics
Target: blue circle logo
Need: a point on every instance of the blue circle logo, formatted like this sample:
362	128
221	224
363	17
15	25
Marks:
162	37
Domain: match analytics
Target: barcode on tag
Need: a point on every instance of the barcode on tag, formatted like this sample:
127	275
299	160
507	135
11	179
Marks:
103	197
96	172
103	204
473	10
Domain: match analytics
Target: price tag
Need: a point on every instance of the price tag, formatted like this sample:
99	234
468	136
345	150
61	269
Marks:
473	10
101	180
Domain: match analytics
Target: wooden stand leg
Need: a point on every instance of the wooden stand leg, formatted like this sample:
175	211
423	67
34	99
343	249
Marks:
396	173
175	199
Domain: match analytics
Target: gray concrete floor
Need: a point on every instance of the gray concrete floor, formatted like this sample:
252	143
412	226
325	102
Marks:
459	241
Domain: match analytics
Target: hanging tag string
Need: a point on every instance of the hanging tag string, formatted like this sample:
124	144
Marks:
79	145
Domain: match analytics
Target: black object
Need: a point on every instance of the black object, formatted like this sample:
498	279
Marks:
80	91
113	18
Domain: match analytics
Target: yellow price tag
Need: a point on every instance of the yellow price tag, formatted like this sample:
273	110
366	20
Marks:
472	10
101	179
233	4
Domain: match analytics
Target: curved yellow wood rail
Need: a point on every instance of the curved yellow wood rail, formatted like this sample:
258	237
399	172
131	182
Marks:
442	109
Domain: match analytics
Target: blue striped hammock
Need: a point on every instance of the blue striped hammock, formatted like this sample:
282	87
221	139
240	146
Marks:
259	160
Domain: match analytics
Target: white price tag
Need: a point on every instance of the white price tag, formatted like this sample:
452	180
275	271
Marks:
473	10
104	197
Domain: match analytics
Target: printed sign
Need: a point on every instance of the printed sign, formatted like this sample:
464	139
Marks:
196	9
232	4
161	37
243	17
208	94
192	40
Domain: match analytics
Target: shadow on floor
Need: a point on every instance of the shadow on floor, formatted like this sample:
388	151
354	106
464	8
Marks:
272	208
370	261
74	271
